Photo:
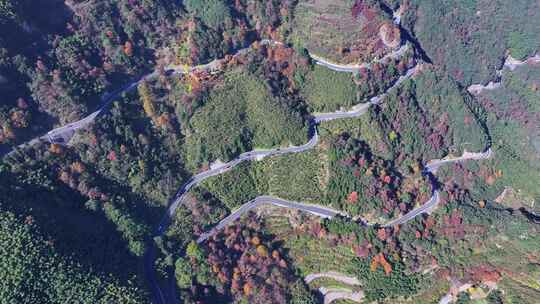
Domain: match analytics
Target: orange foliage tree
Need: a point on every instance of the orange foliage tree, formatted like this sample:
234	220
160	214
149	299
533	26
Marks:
379	259
128	48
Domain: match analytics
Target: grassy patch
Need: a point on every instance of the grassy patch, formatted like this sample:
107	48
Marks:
235	187
325	90
298	177
309	254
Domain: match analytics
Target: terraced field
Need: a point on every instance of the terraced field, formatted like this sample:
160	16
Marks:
341	31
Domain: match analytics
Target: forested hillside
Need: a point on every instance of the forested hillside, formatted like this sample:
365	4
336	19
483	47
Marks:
53	250
477	34
58	58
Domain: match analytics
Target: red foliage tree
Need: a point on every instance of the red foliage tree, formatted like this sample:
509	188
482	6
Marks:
111	156
353	197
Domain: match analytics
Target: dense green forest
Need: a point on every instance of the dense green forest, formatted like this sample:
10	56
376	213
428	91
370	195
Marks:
427	118
512	114
476	34
33	271
243	115
55	249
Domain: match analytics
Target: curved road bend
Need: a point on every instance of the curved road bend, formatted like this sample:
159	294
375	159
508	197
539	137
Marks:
354	68
269	200
325	212
69	129
363	107
509	63
63	134
433	165
333	294
254	155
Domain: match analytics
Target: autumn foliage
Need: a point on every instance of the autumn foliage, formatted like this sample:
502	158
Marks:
485	273
128	48
147	100
248	264
353	197
379	260
56	149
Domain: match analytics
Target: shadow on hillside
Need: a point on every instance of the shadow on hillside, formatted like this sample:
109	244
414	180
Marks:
89	238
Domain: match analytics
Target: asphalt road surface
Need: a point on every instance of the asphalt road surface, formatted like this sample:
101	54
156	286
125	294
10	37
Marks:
254	155
270	200
63	135
360	109
354	68
325	212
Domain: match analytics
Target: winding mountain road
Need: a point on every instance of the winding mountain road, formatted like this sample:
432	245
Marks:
433	165
222	168
356	111
333	294
509	63
320	211
354	68
62	135
326	212
256	155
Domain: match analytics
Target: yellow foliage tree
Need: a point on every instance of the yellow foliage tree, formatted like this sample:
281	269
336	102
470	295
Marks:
8	131
482	203
247	289
262	250
19	119
128	48
374	264
147	100
255	240
163	120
